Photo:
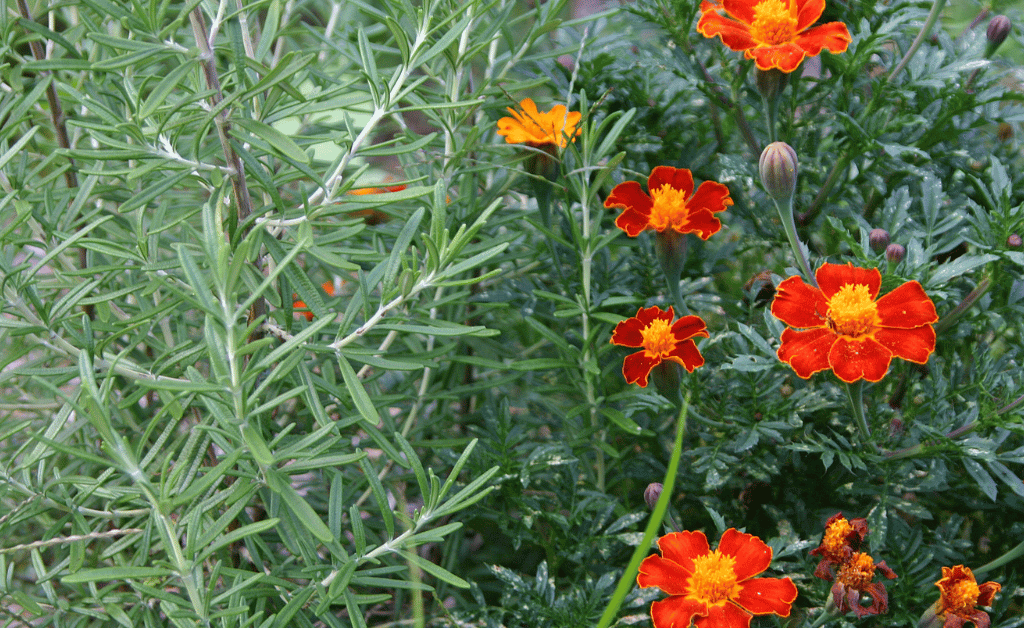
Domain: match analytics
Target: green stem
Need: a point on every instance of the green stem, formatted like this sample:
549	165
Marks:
1011	555
855	392
670	247
786	214
771	108
660	508
933	16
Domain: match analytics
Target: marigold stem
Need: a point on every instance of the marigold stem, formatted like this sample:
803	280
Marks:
786	215
1011	555
933	16
855	392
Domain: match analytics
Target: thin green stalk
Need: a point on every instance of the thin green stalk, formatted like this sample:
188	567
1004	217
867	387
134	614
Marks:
1006	558
657	516
933	16
771	109
786	214
855	393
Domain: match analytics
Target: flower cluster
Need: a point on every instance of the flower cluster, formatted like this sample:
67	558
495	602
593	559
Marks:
851	570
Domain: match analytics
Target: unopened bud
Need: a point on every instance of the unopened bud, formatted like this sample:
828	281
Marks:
879	239
998	31
778	166
652	493
1013	241
895	253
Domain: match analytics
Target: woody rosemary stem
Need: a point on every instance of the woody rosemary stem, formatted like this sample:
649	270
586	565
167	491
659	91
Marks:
657	516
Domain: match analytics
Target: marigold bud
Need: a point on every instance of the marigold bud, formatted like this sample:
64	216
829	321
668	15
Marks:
652	493
1013	241
778	166
998	30
879	239
895	253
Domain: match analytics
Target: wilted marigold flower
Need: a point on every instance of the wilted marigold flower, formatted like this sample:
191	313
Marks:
299	307
841	541
536	128
713	589
842	325
671	204
652	328
855	580
774	33
959	596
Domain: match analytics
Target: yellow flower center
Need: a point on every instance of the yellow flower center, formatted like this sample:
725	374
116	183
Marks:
658	338
669	208
835	537
961	597
852	312
857	572
714	578
774	23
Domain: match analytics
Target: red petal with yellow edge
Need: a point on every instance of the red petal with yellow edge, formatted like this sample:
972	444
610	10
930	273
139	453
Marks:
647	315
766	596
637	366
676	612
632	222
725	616
677	178
712	196
683	547
668	576
734	35
832	277
786	58
742	10
751	554
808	12
687	354
806	351
799	304
702	223
913	345
852	360
628	333
987	593
832	36
906	307
689	326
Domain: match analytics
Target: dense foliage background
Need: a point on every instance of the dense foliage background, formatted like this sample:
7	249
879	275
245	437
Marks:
449	440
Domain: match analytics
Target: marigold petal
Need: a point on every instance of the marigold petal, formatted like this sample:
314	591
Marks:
712	196
832	277
833	36
806	351
987	592
328	287
724	616
678	178
879	604
785	58
702	223
629	195
864	358
299	307
766	596
978	617
628	333
647	315
808	12
669	576
742	10
906	307
676	612
632	222
689	326
799	304
913	345
734	35
751	553
637	367
683	547
687	354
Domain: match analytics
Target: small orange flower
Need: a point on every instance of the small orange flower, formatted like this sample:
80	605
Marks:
537	128
960	594
713	588
661	339
854	580
842	539
671	204
841	326
373	216
299	307
774	33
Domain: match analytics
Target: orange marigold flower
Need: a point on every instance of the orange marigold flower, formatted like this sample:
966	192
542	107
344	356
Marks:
960	594
537	128
671	204
841	540
661	339
854	580
841	326
713	588
774	33
299	307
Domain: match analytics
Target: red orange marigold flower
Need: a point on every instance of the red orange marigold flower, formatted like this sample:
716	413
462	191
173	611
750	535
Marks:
537	128
774	33
845	327
960	594
670	204
299	307
854	580
841	540
661	339
713	588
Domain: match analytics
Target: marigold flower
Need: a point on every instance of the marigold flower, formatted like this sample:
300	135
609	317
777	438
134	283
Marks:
299	307
537	128
841	326
652	328
713	588
671	204
774	33
842	539
855	580
960	595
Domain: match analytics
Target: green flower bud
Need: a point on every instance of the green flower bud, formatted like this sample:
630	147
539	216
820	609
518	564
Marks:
652	493
778	166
